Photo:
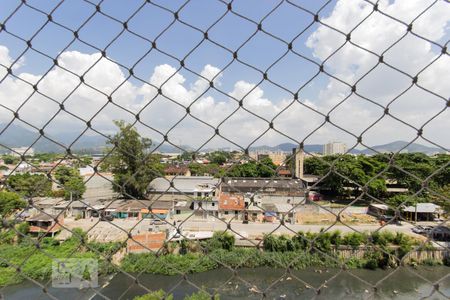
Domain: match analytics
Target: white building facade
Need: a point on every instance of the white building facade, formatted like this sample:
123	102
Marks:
334	148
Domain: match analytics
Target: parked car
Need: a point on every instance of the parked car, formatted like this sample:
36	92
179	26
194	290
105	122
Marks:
419	229
106	217
157	222
390	219
314	197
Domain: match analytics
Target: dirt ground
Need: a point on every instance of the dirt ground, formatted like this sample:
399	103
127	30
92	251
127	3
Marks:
103	231
329	218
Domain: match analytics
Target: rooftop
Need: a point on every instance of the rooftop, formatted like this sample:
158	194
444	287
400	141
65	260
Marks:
265	184
423	208
184	184
42	217
231	202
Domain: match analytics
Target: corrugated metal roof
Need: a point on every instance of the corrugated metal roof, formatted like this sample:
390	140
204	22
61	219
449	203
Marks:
423	208
184	184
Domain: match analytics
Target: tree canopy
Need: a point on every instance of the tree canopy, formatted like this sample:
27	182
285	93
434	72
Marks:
263	168
30	185
71	181
407	170
9	202
130	162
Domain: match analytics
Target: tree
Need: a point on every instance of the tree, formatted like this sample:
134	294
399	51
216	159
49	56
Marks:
10	160
266	167
219	157
71	181
9	202
443	193
263	168
133	167
30	185
186	156
359	170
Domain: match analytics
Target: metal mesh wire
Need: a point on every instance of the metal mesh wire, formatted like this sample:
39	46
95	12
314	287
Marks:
232	55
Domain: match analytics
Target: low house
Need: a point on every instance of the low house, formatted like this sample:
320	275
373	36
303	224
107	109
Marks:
47	204
157	210
143	209
111	206
284	172
378	210
253	210
177	170
182	208
205	207
263	186
231	206
73	209
441	233
45	224
192	186
285	212
422	212
279	211
130	209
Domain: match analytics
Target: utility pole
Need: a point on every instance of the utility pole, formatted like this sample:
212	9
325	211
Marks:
415	213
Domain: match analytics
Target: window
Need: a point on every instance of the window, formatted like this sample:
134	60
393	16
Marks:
226	212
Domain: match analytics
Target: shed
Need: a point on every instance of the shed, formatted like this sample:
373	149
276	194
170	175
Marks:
422	212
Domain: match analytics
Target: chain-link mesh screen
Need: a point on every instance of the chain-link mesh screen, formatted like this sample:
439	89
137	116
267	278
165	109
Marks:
206	84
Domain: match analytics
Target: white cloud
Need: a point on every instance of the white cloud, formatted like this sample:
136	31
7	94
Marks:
382	85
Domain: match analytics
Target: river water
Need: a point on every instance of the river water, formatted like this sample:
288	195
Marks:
401	283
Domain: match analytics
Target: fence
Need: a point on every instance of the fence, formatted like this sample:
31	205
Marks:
188	77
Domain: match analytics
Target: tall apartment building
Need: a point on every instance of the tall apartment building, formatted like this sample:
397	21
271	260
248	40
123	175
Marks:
334	148
277	157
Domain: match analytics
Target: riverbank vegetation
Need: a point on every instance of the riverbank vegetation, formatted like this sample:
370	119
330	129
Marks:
23	256
325	249
34	256
158	295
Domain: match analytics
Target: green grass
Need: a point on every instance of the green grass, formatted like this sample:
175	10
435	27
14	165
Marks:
37	263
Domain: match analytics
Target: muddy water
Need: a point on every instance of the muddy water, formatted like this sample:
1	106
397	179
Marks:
402	283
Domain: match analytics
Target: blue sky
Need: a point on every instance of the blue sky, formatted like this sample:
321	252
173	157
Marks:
413	54
230	32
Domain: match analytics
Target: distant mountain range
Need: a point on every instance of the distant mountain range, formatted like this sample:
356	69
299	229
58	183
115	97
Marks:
18	136
287	147
396	146
391	147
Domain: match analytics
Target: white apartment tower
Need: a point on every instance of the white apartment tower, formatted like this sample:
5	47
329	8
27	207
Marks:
334	148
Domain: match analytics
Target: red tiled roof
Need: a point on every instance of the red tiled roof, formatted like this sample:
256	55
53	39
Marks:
284	172
231	202
176	169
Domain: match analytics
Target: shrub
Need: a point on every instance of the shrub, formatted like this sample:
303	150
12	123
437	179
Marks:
157	295
375	258
220	240
202	295
446	260
49	242
354	239
323	242
282	243
336	238
379	239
